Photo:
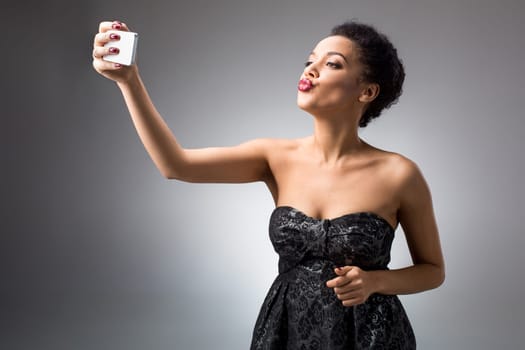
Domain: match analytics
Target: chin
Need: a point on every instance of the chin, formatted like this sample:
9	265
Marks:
309	107
304	104
305	108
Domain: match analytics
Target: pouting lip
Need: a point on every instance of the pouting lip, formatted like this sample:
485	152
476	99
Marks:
305	84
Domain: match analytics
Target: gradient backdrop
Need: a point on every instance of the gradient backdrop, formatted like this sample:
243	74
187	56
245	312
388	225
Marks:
98	251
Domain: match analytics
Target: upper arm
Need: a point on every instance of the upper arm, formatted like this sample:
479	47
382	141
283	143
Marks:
416	216
246	162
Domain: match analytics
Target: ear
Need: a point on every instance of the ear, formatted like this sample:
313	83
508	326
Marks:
369	92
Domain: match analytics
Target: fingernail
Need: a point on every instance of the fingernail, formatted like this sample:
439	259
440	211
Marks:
116	26
118	65
114	36
114	50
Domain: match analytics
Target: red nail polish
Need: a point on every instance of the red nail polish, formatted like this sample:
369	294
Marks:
114	50
114	36
116	26
118	65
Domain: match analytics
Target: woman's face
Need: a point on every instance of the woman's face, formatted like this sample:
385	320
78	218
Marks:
331	80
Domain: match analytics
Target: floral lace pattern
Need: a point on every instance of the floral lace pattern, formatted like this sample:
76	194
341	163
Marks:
301	313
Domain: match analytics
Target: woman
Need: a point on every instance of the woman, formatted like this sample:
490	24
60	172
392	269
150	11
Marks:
338	199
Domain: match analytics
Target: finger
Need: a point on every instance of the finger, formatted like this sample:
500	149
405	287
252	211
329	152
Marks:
347	288
337	282
102	39
105	26
101	65
344	289
115	25
109	25
332	283
352	298
100	51
353	285
342	270
348	295
124	27
353	301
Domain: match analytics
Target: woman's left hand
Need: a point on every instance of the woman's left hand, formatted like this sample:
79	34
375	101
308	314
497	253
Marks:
352	285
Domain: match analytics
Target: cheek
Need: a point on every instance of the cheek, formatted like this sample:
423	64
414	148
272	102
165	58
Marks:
341	93
344	84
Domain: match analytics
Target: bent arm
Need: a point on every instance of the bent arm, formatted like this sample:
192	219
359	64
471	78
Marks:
416	216
243	163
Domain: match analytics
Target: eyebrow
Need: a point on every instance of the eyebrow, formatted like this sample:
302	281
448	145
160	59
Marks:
332	53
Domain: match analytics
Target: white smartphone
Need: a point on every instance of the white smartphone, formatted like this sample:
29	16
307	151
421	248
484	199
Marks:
127	46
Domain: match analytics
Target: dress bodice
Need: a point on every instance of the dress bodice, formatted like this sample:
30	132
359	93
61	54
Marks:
361	239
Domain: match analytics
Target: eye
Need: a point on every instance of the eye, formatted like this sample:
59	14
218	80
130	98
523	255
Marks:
334	65
308	63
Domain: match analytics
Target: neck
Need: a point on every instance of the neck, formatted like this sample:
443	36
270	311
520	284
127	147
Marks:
335	138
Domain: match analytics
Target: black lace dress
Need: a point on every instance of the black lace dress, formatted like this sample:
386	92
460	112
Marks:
300	312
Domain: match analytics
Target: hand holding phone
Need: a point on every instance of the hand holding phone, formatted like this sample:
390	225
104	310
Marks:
127	45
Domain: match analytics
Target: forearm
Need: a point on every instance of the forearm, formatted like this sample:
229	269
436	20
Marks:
413	279
153	131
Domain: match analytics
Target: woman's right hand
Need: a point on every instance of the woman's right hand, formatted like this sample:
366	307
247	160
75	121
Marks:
114	71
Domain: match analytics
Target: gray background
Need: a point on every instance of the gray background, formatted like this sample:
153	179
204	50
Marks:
98	251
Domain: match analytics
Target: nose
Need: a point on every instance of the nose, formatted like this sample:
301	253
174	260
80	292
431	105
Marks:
311	71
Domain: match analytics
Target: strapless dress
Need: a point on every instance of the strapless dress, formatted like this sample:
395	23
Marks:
301	313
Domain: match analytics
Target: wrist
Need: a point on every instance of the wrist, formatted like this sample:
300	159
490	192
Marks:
376	281
130	79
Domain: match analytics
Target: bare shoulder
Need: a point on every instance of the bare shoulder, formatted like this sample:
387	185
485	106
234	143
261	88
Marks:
273	143
401	176
403	169
408	181
286	144
277	148
397	167
265	146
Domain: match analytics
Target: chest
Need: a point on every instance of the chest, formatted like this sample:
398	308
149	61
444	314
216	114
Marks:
332	191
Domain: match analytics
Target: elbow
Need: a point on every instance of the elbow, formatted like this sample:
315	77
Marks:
433	275
439	277
174	169
172	176
438	282
169	174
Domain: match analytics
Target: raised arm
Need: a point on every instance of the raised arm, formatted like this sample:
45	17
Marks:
243	163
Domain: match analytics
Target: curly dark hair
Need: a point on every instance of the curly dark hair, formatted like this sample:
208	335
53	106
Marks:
382	65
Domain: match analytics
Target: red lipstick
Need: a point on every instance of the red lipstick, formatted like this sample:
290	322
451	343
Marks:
305	85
